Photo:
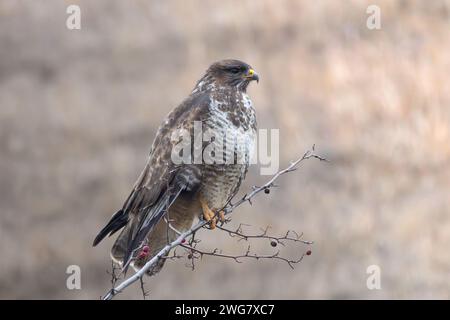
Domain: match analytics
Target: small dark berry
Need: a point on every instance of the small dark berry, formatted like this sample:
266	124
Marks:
183	241
308	253
273	243
189	256
267	191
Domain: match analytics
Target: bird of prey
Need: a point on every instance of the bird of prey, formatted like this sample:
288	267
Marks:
169	195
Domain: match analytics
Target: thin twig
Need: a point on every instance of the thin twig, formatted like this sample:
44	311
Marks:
145	293
264	235
217	253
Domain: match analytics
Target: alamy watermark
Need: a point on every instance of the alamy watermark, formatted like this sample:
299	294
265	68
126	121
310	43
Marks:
73	21
373	281
373	22
73	281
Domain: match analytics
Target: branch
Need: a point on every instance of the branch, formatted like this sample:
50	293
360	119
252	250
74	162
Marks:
217	253
270	184
228	212
264	235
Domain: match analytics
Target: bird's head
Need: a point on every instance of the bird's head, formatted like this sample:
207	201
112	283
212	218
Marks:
233	73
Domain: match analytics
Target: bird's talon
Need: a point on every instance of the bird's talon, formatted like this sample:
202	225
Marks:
212	226
208	215
222	216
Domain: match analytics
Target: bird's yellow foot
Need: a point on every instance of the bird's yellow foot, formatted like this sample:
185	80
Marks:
222	216
208	214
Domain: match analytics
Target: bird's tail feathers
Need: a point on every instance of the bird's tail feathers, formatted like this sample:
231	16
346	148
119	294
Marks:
121	244
140	229
117	222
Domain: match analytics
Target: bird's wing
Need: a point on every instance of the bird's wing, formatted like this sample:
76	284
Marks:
147	213
161	181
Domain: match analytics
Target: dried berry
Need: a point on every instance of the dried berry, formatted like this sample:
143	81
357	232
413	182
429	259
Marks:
267	191
308	253
273	243
142	255
144	252
190	256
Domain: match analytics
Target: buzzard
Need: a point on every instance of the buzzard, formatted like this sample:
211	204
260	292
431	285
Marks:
168	195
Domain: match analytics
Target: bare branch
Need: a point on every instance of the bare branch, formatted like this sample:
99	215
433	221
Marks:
145	293
264	235
163	254
270	184
248	254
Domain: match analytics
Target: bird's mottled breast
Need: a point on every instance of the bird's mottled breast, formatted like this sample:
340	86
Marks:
232	109
230	113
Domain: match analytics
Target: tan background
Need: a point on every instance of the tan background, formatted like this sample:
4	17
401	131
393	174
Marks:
79	109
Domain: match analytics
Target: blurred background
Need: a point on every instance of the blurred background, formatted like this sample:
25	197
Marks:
79	110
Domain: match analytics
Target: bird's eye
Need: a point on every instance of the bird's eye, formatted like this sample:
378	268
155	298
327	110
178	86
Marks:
235	70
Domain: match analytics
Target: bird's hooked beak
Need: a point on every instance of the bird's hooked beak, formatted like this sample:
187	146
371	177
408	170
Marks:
252	75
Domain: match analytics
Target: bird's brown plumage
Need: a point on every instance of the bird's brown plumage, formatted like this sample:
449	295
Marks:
166	191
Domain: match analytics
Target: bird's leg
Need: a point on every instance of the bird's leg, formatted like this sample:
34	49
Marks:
208	214
222	216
